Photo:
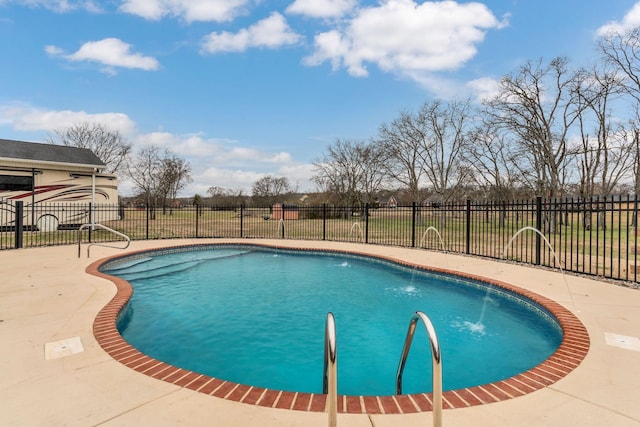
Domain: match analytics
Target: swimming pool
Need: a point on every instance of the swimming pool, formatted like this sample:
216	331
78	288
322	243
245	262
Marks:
257	315
569	355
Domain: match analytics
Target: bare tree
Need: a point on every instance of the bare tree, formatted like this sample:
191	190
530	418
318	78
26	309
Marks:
216	192
621	49
110	147
636	167
159	175
604	150
401	143
492	162
633	133
176	173
445	137
269	188
630	133
225	197
537	108
144	170
352	171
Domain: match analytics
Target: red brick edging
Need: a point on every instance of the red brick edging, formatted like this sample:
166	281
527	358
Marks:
570	353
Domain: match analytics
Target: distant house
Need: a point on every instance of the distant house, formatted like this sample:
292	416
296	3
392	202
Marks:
391	202
39	174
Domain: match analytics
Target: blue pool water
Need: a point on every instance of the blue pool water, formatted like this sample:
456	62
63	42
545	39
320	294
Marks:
256	316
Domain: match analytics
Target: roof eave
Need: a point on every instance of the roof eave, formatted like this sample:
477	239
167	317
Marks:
48	162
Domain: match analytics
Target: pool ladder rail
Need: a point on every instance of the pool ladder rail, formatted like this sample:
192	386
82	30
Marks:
106	245
330	371
436	361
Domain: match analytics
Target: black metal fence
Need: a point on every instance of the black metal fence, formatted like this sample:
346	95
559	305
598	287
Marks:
596	237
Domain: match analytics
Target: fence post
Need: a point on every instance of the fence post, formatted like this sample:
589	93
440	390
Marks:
413	224
90	220
539	228
635	235
282	221
324	221
366	223
147	211
468	227
19	223
241	218
197	219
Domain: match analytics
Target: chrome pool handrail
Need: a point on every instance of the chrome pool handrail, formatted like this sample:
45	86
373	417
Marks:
436	361
106	245
330	370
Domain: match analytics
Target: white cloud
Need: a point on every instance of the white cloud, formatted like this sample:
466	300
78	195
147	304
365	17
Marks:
161	139
110	52
60	6
299	175
222	153
229	178
188	10
451	89
484	88
629	21
218	151
271	32
321	8
53	50
404	37
194	146
440	87
30	119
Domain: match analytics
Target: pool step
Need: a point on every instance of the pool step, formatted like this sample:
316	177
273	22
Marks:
152	267
127	266
161	270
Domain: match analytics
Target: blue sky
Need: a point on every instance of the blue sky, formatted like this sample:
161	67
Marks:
245	88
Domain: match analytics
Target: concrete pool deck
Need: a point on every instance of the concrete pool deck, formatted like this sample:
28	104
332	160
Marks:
55	373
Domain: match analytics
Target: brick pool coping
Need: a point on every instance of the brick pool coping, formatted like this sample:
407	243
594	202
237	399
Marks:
572	350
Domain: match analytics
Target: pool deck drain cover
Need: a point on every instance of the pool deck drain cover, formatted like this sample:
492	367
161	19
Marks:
62	348
622	341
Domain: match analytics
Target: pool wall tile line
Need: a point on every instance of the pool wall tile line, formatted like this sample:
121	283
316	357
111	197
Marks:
498	393
269	398
318	403
254	395
407	404
423	402
470	397
371	405
572	350
301	403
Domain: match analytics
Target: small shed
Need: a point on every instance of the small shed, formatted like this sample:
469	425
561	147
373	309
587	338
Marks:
284	211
